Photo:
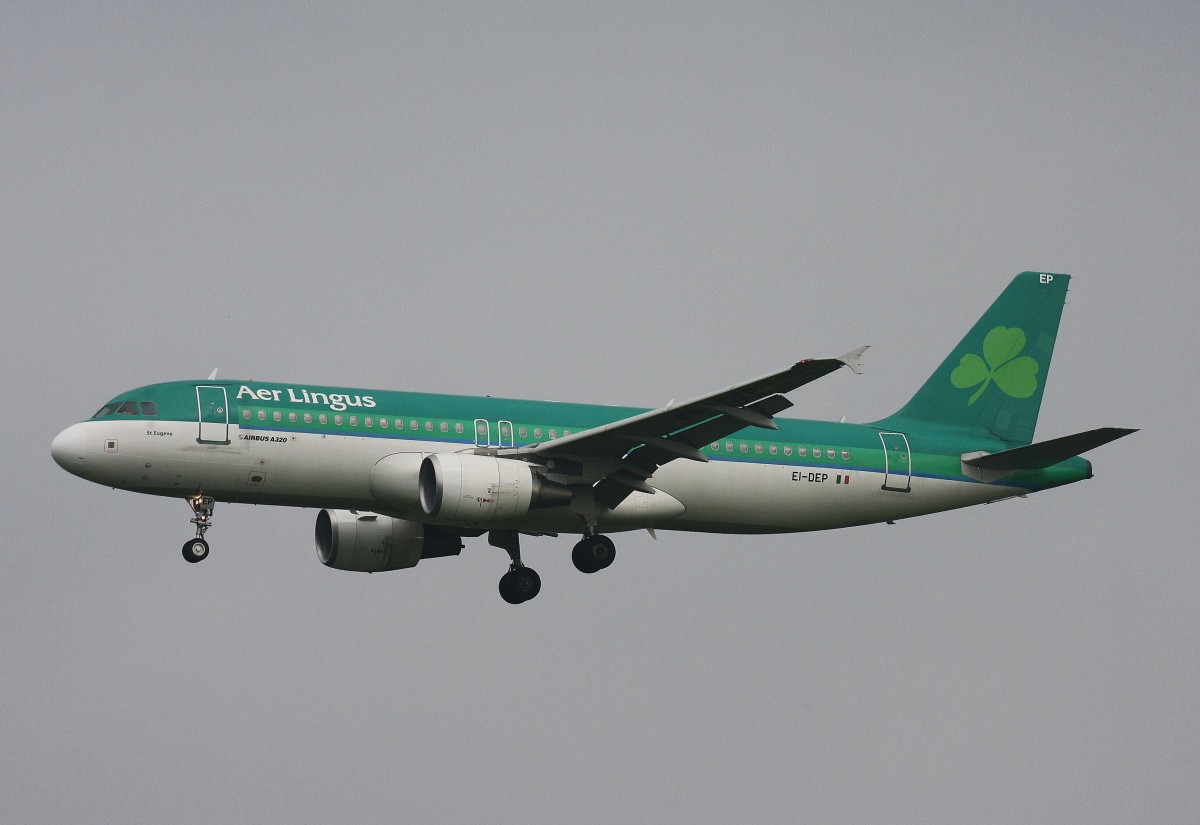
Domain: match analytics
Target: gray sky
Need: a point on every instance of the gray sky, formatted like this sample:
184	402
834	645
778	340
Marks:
625	204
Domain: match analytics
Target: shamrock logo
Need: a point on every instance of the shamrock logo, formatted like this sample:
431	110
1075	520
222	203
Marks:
1015	376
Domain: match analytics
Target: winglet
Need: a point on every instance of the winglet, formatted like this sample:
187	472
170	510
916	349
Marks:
212	376
852	359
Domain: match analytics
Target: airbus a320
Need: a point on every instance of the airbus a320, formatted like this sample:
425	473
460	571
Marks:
402	476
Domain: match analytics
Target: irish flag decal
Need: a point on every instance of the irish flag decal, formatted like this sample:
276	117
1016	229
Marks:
843	479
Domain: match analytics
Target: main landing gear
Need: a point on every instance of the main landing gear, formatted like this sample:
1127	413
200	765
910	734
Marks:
520	584
196	549
594	552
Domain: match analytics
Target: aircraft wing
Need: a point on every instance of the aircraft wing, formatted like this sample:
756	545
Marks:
619	457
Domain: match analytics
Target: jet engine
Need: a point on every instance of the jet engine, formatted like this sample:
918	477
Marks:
478	489
370	543
394	482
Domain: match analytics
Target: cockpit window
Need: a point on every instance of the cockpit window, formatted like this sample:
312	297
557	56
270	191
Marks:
148	408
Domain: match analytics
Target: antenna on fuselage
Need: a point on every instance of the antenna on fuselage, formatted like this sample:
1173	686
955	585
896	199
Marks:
212	376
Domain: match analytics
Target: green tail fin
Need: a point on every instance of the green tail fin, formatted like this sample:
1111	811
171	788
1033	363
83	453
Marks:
991	384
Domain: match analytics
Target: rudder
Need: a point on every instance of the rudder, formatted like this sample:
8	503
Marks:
991	384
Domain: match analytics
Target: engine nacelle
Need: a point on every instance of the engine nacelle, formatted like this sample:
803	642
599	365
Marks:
370	543
394	482
478	489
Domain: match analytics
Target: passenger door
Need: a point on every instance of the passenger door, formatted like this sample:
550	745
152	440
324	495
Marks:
213	415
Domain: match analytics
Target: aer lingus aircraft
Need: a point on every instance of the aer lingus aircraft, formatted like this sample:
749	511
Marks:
404	476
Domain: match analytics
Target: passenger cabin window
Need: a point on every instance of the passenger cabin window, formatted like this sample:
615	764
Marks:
149	408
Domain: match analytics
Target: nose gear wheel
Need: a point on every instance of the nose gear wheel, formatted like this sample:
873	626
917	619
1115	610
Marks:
195	550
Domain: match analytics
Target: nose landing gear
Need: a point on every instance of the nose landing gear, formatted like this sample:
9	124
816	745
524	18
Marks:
196	550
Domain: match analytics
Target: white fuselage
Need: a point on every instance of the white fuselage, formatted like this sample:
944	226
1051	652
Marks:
735	495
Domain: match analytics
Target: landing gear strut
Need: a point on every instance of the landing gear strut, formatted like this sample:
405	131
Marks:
594	552
520	583
196	549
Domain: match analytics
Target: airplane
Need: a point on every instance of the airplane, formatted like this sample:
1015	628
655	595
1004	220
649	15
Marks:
401	476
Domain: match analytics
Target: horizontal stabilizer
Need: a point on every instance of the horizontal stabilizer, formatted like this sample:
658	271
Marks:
1046	453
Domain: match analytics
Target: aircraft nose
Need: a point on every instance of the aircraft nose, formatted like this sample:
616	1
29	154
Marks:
69	448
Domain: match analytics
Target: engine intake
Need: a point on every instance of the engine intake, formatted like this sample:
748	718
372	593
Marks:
478	489
370	543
